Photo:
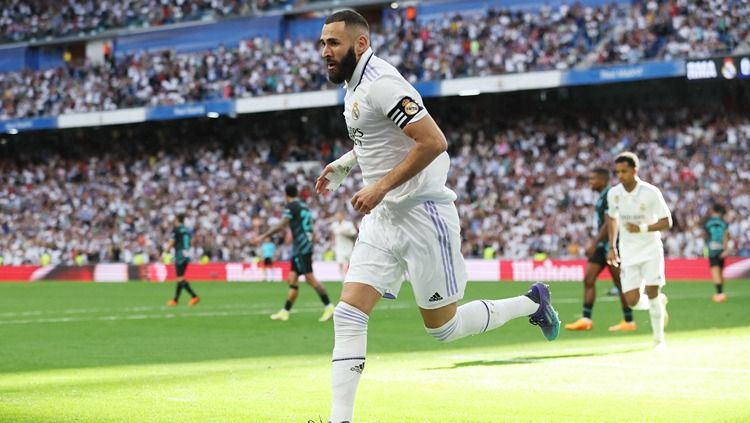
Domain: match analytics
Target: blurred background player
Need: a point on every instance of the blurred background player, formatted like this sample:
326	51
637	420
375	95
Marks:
344	233
181	243
597	259
298	217
268	249
718	248
638	211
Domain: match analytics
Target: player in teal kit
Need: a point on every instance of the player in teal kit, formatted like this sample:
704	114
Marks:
597	259
717	235
299	219
181	243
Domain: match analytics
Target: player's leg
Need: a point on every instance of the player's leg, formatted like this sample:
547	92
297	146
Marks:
717	274
627	323
374	273
432	242
194	299
320	289
291	294
350	322
631	278
653	274
593	268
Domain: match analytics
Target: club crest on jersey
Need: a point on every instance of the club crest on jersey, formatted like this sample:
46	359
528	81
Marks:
643	207
355	110
410	106
617	198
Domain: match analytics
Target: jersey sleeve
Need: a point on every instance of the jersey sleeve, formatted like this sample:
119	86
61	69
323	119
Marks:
660	206
397	100
612	212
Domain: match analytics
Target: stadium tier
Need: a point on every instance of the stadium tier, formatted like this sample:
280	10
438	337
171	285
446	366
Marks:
270	55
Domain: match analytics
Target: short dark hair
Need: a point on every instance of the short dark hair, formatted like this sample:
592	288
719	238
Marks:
718	208
291	190
181	218
604	173
629	158
349	18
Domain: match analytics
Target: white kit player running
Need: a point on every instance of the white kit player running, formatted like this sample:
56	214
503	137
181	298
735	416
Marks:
411	224
638	212
344	233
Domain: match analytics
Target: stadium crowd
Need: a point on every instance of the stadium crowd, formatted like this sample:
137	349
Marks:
24	20
442	48
523	185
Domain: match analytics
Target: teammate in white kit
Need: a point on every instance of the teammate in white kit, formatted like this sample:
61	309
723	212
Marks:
411	224
344	233
637	211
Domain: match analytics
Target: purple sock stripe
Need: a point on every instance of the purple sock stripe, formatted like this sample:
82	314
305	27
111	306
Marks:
348	315
451	273
351	310
443	252
442	331
345	359
448	244
449	332
488	316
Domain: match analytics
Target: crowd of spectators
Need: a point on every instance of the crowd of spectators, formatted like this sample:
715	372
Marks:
671	29
25	20
453	46
523	185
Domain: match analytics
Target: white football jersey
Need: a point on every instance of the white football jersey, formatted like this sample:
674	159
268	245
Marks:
344	234
379	103
645	204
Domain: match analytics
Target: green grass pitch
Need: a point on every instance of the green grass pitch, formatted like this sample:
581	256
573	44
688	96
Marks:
112	353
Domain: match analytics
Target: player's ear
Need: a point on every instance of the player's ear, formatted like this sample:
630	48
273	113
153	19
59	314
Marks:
361	45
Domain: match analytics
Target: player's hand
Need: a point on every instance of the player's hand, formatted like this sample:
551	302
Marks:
256	241
590	250
632	228
367	198
322	182
613	259
724	254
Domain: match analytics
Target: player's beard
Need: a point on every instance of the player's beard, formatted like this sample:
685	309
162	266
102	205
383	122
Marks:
344	68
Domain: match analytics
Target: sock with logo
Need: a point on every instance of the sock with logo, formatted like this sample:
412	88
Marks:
482	316
350	347
643	303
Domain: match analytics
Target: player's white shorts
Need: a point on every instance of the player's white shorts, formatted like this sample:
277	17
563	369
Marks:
343	256
423	241
647	273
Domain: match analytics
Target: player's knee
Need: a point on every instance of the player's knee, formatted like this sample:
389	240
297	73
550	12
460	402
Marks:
294	287
349	320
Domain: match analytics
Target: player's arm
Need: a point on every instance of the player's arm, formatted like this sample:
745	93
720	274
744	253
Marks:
335	172
274	229
169	245
611	223
429	144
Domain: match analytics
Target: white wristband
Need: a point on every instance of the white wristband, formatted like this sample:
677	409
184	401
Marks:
643	227
341	168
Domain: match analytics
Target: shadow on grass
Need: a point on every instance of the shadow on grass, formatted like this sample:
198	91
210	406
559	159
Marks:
534	359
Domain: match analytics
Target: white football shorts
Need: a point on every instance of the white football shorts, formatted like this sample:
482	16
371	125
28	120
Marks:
647	273
423	241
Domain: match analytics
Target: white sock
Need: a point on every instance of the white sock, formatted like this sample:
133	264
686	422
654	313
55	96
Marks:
656	311
483	315
643	303
350	346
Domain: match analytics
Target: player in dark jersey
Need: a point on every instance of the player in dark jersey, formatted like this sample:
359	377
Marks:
299	219
717	240
181	243
597	259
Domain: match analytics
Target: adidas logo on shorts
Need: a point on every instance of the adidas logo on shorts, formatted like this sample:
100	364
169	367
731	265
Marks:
358	368
435	297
